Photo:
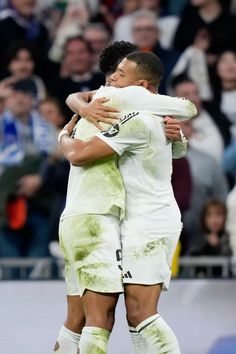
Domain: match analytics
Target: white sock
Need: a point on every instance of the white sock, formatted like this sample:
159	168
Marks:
139	344
67	342
94	340
158	336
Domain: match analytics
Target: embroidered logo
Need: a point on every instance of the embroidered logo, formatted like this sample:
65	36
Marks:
114	130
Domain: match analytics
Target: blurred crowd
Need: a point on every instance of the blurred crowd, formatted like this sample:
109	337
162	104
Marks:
50	48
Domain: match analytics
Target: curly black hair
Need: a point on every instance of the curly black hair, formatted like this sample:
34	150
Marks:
113	54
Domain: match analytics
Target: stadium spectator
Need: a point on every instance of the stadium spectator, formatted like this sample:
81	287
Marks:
75	19
25	141
98	37
224	87
17	22
215	240
146	36
167	24
75	71
50	109
21	65
208	182
182	184
193	62
209	15
209	126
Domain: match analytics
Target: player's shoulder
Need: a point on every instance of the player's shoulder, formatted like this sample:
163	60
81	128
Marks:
134	90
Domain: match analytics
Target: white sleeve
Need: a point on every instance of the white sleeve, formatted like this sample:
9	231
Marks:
137	98
129	134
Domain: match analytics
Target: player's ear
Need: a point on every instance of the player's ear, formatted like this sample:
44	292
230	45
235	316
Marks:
143	83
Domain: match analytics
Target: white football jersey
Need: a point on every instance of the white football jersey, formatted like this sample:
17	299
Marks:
145	163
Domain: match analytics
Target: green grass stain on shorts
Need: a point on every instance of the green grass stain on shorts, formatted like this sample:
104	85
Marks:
89	232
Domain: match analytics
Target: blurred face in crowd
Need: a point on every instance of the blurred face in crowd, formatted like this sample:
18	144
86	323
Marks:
152	5
51	112
22	66
190	91
226	66
130	6
202	2
24	7
77	57
215	218
98	38
145	32
20	103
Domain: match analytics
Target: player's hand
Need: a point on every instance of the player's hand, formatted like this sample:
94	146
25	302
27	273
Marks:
70	126
96	112
172	128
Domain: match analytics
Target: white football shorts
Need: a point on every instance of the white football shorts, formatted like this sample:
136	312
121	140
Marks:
146	259
92	253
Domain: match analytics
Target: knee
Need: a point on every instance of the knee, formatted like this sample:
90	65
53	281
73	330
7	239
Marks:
134	312
104	319
75	323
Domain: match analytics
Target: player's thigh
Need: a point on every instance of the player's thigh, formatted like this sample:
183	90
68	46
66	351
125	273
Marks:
92	243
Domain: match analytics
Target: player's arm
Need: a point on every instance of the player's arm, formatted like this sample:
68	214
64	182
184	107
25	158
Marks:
80	152
77	101
93	110
139	98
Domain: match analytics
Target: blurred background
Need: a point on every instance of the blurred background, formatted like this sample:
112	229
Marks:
49	49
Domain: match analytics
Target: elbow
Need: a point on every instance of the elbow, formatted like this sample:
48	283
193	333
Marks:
68	100
192	110
77	159
74	158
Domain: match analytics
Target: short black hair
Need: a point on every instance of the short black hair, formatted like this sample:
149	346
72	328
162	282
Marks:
113	54
26	86
149	65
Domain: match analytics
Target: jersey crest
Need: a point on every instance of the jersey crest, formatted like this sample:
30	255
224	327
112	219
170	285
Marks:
114	130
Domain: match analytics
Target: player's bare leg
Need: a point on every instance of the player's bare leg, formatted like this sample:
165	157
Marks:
141	305
99	312
69	335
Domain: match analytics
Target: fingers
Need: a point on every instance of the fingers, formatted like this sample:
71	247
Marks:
105	108
111	121
74	117
110	109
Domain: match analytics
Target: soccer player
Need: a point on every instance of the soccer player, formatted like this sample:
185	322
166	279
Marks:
69	335
148	238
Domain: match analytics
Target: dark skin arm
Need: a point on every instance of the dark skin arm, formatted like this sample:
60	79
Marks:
80	152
